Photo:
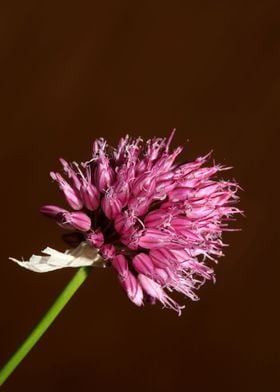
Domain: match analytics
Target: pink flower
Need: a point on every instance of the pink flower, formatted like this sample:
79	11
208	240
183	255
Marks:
157	222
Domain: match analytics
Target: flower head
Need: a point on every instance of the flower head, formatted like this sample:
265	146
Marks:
158	223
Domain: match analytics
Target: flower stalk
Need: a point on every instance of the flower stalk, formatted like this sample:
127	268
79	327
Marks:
44	323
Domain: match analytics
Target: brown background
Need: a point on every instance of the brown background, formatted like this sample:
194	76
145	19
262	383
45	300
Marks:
72	72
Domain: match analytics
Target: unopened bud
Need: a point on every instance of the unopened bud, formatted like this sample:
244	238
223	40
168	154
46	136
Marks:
70	194
51	211
108	251
95	239
111	205
132	288
143	264
104	174
76	220
90	196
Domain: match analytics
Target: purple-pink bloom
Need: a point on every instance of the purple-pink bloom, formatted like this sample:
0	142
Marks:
159	223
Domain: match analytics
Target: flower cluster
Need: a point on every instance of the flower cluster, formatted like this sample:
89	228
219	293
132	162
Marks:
155	221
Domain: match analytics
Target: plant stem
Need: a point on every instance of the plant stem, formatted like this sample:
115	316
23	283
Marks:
44	323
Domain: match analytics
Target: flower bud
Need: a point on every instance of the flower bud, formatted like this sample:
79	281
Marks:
95	239
108	251
161	257
143	264
163	188
131	238
70	173
145	184
180	194
201	212
120	264
133	289
208	189
123	193
140	204
162	276
154	238
76	220
104	174
70	194
111	205
124	221
155	218
51	211
90	196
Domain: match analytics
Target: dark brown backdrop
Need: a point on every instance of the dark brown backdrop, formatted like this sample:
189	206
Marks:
72	72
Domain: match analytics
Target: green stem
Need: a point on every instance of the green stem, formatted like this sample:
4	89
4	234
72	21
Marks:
45	322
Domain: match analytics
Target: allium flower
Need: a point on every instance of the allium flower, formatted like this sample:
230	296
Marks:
156	222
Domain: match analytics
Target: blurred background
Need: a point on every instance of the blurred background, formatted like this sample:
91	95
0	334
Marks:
73	71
